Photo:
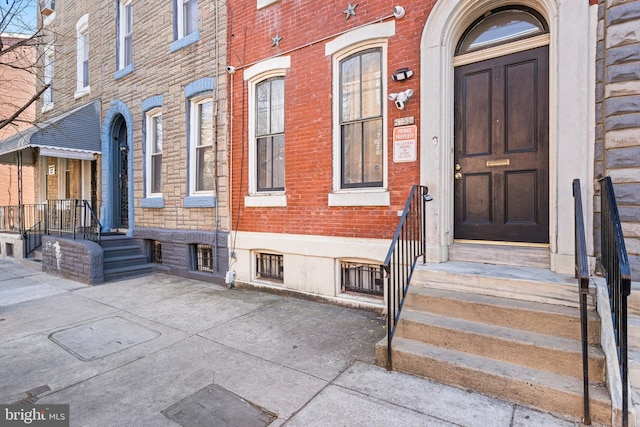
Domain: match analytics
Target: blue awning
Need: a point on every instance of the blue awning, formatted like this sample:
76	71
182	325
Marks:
73	135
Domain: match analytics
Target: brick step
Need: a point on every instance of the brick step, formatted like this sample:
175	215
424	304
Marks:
536	388
539	351
550	319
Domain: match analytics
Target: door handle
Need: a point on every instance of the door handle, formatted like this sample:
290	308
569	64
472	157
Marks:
458	174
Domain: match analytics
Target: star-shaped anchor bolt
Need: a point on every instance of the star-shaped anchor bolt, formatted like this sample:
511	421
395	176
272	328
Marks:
351	10
276	40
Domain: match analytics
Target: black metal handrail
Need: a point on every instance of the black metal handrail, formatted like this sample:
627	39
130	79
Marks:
94	230
618	275
407	246
582	274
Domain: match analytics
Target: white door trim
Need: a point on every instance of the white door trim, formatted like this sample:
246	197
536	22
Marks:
571	29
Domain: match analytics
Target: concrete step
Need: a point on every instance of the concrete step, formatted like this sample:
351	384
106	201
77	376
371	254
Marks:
558	355
514	255
126	272
550	319
524	385
523	283
124	261
116	240
120	251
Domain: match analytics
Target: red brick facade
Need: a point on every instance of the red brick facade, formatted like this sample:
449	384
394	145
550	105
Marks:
308	112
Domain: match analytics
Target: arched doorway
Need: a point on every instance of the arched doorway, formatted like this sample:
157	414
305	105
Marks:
120	174
501	133
572	28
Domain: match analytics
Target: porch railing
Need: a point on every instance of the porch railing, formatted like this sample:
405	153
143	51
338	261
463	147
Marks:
618	275
407	246
33	224
72	217
582	274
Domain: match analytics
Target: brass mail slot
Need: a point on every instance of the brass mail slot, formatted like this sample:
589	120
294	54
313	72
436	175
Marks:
494	163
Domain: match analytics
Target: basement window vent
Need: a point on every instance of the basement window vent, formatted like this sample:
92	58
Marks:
362	278
269	267
156	252
204	258
9	249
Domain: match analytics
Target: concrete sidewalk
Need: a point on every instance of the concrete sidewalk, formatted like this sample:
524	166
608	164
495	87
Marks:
166	351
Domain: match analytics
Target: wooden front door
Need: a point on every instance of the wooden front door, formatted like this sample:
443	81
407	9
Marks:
501	153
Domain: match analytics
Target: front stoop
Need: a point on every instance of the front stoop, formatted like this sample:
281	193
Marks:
123	258
469	329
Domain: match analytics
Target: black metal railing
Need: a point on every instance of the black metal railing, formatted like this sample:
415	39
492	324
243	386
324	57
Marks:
407	246
33	224
582	274
618	275
92	226
10	219
72	217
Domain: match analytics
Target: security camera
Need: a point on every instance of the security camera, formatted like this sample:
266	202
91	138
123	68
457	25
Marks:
401	98
231	69
398	12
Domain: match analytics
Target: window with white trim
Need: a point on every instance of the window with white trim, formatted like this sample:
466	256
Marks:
82	56
360	156
186	17
47	96
201	165
153	173
125	34
361	120
269	139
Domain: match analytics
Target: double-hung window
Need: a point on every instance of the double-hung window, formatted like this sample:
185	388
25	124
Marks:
125	34
82	56
361	120
270	135
154	153
360	155
201	141
185	23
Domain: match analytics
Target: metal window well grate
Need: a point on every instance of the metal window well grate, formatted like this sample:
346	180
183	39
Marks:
156	252
204	255
270	267
362	278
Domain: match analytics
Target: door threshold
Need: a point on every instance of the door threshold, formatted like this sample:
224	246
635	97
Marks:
501	243
517	254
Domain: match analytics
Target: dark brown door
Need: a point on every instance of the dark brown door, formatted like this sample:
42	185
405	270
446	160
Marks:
502	148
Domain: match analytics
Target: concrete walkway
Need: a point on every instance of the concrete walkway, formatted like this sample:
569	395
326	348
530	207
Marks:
166	351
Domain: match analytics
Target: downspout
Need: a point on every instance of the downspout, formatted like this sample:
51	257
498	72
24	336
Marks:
215	138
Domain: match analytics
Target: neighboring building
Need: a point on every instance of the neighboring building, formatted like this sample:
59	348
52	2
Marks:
323	160
17	87
158	77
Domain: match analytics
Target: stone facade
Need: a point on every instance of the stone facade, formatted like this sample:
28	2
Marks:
162	73
79	260
617	133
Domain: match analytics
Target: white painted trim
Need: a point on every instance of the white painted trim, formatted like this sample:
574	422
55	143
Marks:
265	200
360	198
502	50
82	29
149	131
374	31
194	139
570	152
280	63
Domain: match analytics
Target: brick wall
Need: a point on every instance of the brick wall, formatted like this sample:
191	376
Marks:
17	86
308	113
618	116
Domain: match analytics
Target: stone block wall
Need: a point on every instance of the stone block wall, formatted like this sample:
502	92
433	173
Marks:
617	150
79	260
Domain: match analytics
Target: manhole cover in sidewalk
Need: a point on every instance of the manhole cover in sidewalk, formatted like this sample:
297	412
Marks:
215	406
103	337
